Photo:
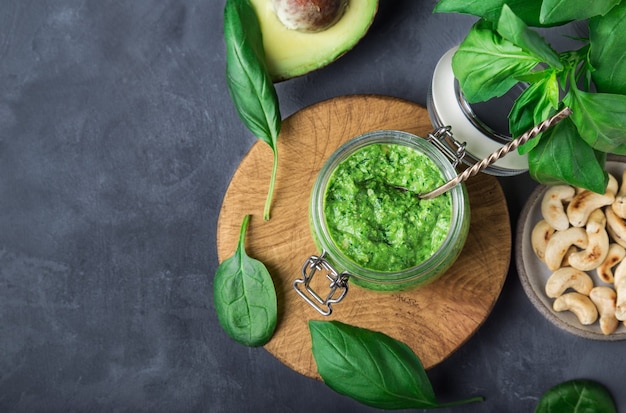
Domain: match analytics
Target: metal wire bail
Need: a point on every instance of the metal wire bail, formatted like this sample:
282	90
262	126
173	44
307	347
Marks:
444	141
338	284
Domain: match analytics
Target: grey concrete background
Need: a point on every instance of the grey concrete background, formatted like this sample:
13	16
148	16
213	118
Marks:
117	143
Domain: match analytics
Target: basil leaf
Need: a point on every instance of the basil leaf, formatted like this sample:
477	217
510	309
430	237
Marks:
516	31
564	10
536	103
245	297
607	52
372	367
487	65
249	83
600	119
534	77
576	396
563	156
527	10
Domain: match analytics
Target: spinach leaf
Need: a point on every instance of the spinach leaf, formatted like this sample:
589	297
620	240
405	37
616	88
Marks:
245	297
563	156
576	396
372	367
516	31
527	10
607	52
487	65
600	119
249	82
536	103
563	10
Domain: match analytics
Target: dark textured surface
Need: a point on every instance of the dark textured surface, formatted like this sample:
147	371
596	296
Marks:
117	143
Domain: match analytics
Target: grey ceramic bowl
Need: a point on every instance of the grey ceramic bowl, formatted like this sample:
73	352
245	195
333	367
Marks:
534	273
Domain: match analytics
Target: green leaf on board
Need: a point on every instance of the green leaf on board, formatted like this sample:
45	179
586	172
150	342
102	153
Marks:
372	367
249	82
245	297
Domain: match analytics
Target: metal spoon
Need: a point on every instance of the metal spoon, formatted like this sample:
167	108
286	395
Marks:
542	127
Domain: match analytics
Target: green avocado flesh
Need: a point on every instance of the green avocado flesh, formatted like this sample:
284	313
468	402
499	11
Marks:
290	53
378	226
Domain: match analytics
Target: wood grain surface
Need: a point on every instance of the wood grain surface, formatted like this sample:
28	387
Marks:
434	320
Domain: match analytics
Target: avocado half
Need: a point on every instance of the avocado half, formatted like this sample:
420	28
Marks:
291	53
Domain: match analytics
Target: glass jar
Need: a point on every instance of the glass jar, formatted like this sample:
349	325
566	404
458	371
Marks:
339	266
483	126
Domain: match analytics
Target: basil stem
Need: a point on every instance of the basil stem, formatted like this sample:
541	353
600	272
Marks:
249	83
372	367
245	297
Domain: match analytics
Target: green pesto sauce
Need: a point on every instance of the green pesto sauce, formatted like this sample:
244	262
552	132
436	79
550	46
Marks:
378	226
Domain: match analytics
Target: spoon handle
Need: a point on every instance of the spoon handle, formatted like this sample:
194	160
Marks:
542	127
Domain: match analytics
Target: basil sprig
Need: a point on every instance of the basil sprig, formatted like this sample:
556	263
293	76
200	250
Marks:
249	82
576	396
245	297
372	367
501	50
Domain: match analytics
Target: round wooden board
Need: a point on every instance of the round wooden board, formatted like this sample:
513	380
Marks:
434	320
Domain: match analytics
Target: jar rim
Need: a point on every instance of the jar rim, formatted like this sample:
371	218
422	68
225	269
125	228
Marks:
318	221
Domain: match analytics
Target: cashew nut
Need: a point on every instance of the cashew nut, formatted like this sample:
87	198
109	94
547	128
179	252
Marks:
581	305
597	244
619	205
604	299
615	256
572	249
552	205
560	242
616	227
539	238
619	283
568	277
585	202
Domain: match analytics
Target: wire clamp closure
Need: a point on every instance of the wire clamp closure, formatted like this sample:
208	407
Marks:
338	284
444	141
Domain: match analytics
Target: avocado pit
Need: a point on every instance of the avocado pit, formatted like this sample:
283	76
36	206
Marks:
309	15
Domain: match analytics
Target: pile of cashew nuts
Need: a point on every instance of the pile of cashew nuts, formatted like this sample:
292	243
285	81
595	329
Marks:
582	241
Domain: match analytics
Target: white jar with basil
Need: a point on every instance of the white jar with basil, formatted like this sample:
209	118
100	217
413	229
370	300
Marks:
483	127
